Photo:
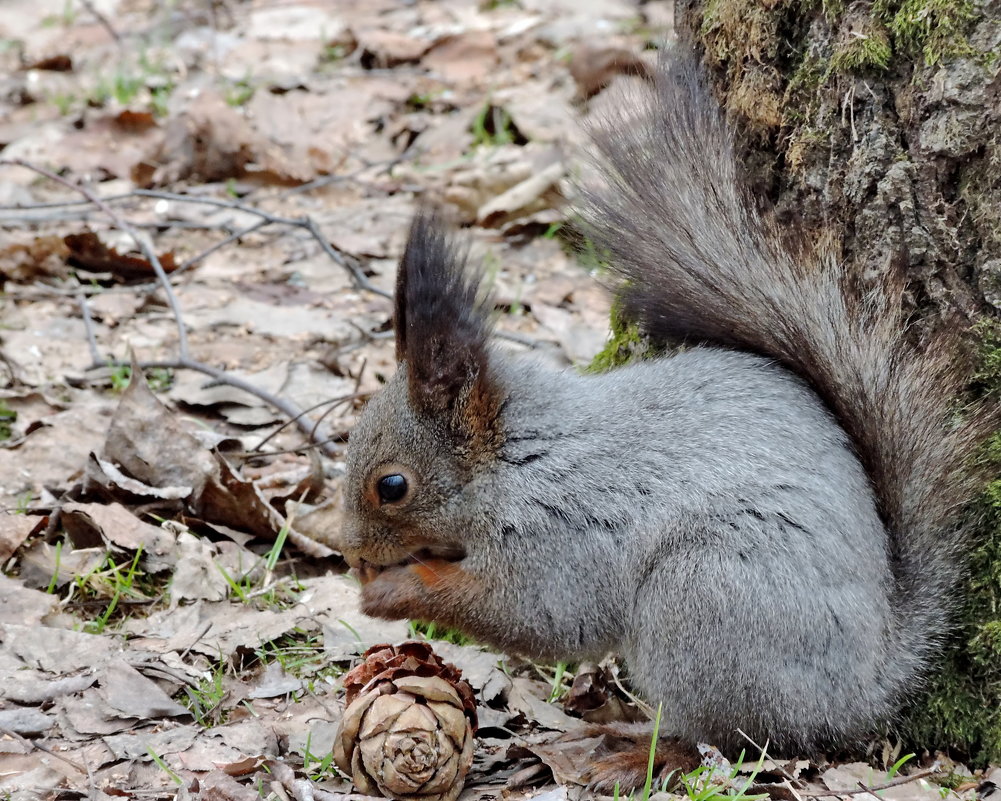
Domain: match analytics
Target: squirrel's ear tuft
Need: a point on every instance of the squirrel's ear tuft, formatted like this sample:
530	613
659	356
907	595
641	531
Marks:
442	331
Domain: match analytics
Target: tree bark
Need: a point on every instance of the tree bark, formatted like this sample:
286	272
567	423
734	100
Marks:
878	123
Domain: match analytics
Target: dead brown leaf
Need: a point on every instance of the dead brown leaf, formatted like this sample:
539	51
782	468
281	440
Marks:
88	252
219	785
526	696
229	498
57	63
15	529
42	564
133	695
592	697
594	66
112	524
19	604
468	57
384	49
212	141
135	121
147	442
41	257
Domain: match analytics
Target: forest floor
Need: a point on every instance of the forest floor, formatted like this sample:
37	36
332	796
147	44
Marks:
173	620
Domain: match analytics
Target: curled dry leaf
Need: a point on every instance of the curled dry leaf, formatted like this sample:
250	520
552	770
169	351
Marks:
407	731
88	252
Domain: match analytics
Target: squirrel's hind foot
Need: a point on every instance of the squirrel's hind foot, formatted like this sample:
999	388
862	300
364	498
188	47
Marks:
623	757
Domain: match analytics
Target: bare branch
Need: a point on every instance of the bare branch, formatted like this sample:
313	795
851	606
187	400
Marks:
862	789
103	20
123	225
308	224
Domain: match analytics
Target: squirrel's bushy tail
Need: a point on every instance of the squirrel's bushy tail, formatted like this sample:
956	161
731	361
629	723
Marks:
699	264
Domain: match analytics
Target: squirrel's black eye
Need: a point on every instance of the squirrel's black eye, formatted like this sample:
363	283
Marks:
391	488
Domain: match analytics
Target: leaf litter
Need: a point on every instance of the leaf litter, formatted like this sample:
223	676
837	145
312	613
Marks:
173	622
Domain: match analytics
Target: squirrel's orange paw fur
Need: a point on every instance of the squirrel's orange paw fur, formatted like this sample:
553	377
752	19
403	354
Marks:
624	755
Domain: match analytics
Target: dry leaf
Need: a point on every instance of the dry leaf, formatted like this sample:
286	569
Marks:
147	442
19	604
88	252
594	67
57	63
113	524
43	256
383	49
468	57
15	529
211	141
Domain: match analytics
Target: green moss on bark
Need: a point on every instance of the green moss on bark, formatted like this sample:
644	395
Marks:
935	29
864	50
625	343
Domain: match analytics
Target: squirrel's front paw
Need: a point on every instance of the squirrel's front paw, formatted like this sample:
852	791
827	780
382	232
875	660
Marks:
391	594
433	589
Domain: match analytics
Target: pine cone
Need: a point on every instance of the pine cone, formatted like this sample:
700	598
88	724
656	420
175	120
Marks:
407	730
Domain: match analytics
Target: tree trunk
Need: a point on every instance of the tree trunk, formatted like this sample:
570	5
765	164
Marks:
879	122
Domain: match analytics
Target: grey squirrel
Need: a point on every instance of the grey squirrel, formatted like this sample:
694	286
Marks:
763	524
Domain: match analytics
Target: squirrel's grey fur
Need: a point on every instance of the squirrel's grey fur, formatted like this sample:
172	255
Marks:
763	524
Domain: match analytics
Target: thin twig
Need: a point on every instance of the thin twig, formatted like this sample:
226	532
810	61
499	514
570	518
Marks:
62	204
306	223
862	789
327	180
38	746
330	409
141	243
88	325
218	245
103	20
287	408
332	402
763	751
184	360
337	437
265	218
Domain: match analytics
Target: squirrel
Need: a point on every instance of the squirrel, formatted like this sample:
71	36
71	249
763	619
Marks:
764	523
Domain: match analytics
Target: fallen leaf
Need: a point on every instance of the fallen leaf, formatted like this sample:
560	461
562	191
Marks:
384	49
25	720
594	66
523	198
220	786
37	687
19	604
211	141
57	63
147	442
15	529
117	526
274	682
468	57
126	690
88	252
525	697
57	651
41	257
229	498
43	565
197	576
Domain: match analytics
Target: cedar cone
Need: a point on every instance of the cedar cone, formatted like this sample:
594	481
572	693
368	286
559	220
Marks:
408	725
